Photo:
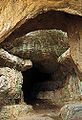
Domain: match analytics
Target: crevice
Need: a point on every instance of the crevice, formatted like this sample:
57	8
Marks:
35	81
32	77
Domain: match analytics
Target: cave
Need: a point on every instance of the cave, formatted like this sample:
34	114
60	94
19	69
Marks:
34	76
48	81
35	79
31	78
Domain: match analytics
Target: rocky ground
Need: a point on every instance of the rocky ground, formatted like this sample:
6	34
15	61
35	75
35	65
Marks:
42	110
39	110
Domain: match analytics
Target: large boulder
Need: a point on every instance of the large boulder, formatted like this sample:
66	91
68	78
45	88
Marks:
10	86
71	111
42	47
11	61
15	111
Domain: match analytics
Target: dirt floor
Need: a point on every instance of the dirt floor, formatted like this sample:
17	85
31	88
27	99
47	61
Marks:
43	110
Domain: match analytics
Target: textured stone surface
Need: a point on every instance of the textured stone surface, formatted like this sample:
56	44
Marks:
61	91
11	61
15	13
32	13
42	47
75	41
10	86
61	87
13	112
43	42
72	112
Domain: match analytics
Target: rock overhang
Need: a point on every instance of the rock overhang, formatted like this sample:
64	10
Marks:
19	17
14	14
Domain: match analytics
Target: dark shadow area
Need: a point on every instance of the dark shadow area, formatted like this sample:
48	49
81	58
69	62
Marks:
35	81
30	78
45	20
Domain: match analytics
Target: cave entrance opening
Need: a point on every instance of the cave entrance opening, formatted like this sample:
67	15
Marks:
43	21
32	80
43	76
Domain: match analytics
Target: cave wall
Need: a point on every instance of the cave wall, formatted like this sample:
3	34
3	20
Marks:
14	13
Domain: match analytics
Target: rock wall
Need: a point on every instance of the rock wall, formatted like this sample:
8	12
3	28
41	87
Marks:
10	86
14	13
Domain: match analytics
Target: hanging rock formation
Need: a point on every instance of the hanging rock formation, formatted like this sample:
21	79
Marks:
29	16
14	13
9	60
41	47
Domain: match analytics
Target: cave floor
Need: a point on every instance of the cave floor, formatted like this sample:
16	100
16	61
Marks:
43	110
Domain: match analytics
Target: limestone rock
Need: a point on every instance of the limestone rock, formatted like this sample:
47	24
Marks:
14	13
20	17
72	111
42	47
10	86
9	60
75	41
13	112
60	95
63	87
40	44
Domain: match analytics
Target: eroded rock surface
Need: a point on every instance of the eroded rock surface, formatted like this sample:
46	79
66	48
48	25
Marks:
42	47
61	88
41	42
30	17
14	111
10	86
20	17
15	13
9	60
72	111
